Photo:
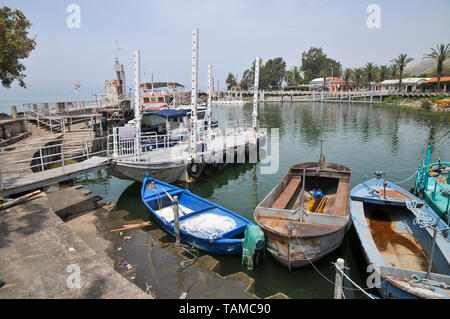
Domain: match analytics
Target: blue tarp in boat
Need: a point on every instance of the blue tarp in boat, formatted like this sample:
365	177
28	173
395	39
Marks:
168	113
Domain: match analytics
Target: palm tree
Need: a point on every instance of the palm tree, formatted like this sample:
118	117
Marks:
401	61
394	70
440	54
370	69
347	76
357	74
383	72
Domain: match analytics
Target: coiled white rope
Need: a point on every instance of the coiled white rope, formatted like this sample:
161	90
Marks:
421	219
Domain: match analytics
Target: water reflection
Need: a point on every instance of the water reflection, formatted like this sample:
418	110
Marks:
361	136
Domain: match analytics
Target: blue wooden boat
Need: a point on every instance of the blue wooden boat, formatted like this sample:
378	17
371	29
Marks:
396	231
203	224
433	185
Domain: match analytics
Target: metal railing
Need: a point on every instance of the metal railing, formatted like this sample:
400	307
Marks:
43	120
126	148
53	152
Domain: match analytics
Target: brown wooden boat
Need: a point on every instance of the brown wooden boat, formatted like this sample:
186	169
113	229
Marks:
294	236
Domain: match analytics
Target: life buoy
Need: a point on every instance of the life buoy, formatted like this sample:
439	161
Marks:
195	170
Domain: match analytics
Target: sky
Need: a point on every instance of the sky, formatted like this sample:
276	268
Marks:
231	34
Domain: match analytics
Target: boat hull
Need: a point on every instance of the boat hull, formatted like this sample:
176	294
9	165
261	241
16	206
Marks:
203	224
300	252
298	239
136	171
229	247
396	240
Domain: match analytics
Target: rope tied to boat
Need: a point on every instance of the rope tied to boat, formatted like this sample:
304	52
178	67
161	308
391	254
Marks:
323	276
401	182
353	283
416	281
421	219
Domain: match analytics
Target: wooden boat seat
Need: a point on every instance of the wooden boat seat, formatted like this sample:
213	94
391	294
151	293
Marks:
301	230
286	196
341	200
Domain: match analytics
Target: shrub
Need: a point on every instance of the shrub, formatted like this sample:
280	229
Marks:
426	104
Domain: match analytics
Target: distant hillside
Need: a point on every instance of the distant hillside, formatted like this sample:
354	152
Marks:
426	66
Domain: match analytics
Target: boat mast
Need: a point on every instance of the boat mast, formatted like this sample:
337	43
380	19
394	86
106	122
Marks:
208	110
255	96
193	124
137	101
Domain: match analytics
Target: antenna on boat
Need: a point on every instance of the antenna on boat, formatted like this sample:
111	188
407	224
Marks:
255	96
137	100
208	110
193	121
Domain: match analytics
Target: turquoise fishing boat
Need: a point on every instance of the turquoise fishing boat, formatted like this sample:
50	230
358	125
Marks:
433	185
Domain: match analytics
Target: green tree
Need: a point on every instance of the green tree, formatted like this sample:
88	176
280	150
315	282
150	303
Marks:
357	75
370	69
383	72
293	76
246	80
15	45
347	76
440	54
248	77
401	61
273	73
230	81
315	63
393	70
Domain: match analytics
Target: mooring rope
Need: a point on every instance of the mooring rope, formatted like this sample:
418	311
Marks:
407	178
323	276
348	278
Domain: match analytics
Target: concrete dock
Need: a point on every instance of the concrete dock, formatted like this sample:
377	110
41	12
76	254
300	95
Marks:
36	251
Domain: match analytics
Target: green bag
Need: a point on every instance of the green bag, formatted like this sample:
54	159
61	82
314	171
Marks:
254	237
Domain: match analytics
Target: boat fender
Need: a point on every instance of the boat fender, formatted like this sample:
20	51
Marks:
219	166
195	170
208	168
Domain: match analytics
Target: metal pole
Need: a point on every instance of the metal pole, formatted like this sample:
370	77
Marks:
208	110
433	244
40	155
177	221
255	95
339	279
62	158
193	122
137	101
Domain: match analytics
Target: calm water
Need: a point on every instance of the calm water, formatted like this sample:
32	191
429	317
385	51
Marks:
362	137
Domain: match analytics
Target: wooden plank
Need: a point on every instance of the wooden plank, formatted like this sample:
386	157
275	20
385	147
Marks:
285	197
54	175
340	203
132	226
